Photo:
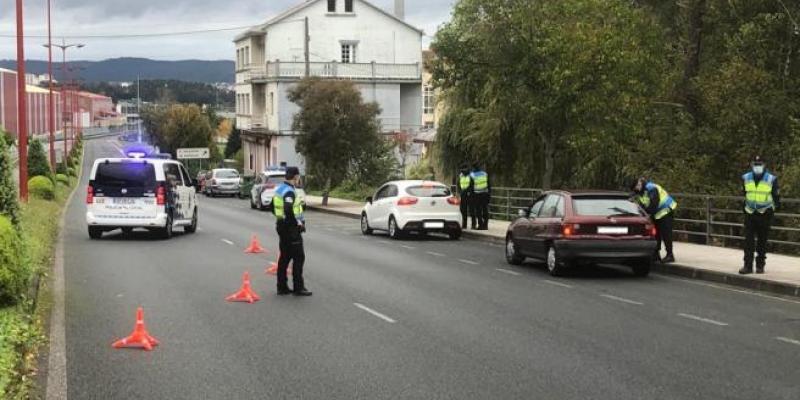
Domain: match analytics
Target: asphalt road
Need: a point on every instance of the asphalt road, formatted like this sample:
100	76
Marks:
414	319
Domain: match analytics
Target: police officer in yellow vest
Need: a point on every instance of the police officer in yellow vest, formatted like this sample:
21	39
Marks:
290	225
482	193
465	186
660	206
762	197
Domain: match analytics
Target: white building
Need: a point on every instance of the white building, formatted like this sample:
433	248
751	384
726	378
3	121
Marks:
348	39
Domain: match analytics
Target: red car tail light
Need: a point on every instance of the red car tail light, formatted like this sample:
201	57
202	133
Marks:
652	231
161	195
454	201
407	201
568	230
89	194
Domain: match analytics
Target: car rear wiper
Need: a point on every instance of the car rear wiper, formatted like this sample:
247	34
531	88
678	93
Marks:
622	213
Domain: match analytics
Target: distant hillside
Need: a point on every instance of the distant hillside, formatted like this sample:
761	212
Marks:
126	69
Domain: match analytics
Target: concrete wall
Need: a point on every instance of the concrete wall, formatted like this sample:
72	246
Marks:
379	37
410	107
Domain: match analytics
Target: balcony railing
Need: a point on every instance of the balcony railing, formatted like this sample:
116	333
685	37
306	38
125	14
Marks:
369	71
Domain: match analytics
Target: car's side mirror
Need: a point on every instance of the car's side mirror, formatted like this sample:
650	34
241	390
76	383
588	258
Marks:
369	199
522	213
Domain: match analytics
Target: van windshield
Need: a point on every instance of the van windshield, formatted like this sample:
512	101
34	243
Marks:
135	177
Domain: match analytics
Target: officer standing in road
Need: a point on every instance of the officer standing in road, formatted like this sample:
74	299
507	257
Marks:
465	186
661	207
482	192
290	226
762	197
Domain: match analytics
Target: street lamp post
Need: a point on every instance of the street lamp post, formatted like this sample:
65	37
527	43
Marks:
51	109
64	46
22	112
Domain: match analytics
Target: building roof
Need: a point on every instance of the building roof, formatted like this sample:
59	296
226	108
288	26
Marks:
36	89
260	29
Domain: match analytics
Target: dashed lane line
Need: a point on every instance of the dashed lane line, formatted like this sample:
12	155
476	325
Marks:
621	299
435	254
227	241
507	271
375	313
468	262
730	289
405	246
787	340
701	319
555	283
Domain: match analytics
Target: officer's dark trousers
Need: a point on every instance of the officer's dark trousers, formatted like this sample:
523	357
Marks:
482	209
466	208
664	232
756	234
291	247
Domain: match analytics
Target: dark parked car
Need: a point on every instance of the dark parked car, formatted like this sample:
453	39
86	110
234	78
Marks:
563	228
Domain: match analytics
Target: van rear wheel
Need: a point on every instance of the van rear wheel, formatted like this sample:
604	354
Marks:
166	232
95	232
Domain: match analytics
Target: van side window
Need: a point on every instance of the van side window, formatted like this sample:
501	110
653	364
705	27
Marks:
173	175
185	175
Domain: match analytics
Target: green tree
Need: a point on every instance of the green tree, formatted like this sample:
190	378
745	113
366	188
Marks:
526	80
37	160
234	142
9	205
340	134
179	126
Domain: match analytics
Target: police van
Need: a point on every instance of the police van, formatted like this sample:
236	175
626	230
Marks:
154	193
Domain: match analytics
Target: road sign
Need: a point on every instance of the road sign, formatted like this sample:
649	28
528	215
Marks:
193	153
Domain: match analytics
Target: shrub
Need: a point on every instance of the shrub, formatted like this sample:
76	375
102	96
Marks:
71	171
42	187
8	188
14	276
61	178
37	160
61	168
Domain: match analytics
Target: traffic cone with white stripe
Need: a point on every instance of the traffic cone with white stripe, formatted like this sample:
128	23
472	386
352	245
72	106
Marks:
245	293
140	338
272	269
255	246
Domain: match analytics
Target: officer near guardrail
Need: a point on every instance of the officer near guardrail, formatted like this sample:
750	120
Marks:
482	193
661	207
762	197
465	188
290	225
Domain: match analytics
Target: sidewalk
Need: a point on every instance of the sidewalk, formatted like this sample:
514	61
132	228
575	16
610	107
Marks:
709	263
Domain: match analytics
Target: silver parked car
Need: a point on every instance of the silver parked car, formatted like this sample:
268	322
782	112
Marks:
223	181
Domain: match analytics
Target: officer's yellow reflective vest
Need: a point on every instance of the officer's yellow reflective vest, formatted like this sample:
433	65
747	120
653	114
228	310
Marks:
481	181
666	202
758	196
278	202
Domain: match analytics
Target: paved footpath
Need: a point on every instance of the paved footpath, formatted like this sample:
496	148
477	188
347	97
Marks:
710	263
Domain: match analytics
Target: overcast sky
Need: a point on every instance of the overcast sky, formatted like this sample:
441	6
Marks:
110	17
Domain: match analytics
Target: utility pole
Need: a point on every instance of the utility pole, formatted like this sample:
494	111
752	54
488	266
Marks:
306	50
138	110
51	107
22	108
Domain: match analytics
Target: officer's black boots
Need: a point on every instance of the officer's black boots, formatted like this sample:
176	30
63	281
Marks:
746	270
302	292
759	268
668	259
284	291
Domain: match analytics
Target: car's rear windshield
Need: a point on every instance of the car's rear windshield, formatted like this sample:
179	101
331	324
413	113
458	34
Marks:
428	191
128	175
604	206
226	173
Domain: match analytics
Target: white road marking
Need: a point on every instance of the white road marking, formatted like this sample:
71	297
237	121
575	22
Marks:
558	284
384	242
408	247
200	229
468	262
787	340
435	254
227	241
506	271
375	313
701	319
699	283
622	299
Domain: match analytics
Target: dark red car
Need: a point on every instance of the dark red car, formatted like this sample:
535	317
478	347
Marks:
563	228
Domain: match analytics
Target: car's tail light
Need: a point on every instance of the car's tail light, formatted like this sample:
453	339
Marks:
453	201
89	194
568	229
652	231
161	195
407	201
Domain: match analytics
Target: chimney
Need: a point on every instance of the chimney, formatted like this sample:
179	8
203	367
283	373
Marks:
400	9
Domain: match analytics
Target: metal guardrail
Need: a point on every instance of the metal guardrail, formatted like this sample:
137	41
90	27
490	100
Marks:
702	219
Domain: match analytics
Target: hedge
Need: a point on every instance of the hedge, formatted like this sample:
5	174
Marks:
14	274
63	179
42	187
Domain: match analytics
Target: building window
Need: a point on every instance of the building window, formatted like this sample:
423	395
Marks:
331	5
271	103
348	53
428	100
348	6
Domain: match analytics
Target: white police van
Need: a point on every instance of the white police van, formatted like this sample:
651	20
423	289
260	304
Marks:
140	192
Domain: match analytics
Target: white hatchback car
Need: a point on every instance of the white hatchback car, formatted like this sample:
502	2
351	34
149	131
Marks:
412	206
128	193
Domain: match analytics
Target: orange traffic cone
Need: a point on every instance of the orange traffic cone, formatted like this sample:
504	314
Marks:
140	338
272	269
245	293
255	246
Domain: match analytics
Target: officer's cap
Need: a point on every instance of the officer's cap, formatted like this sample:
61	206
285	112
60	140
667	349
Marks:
291	172
758	160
